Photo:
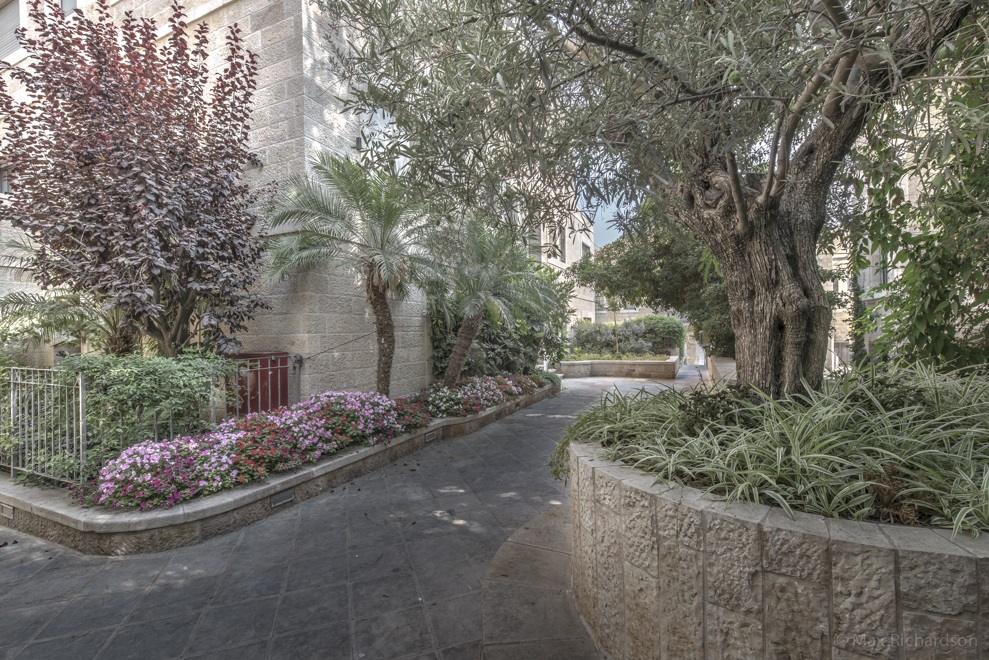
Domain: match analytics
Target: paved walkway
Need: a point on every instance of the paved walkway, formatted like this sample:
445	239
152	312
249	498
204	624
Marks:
389	566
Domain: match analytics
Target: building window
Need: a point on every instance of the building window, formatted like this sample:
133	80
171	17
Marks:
10	20
587	250
4	180
561	244
69	6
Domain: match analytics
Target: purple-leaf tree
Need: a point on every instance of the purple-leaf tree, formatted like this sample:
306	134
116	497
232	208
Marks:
126	160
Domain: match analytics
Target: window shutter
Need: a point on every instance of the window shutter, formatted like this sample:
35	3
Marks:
10	20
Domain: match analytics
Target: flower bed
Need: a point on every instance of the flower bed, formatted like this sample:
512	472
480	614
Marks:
472	395
161	474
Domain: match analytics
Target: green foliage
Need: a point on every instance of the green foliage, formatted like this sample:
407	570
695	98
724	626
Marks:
650	335
132	398
859	319
42	318
927	220
578	354
342	215
658	264
907	445
487	275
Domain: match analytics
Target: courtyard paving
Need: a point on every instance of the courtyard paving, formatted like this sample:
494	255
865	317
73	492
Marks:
459	551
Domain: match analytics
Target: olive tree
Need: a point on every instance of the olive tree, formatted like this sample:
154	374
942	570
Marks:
733	115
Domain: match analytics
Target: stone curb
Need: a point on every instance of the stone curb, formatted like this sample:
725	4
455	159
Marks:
47	513
673	573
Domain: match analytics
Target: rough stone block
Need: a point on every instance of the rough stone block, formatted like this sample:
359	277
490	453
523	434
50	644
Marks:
640	546
678	517
936	575
863	590
928	637
583	573
607	486
734	563
731	635
796	618
641	612
797	547
681	594
609	588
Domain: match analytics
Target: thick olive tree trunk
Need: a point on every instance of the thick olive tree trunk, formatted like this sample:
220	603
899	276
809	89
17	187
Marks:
765	233
384	328
458	358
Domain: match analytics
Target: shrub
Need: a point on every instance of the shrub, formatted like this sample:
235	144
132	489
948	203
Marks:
650	335
664	333
908	445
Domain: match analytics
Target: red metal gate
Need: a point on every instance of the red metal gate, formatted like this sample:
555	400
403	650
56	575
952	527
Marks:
261	383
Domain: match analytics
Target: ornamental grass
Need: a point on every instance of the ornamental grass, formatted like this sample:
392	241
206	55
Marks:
904	445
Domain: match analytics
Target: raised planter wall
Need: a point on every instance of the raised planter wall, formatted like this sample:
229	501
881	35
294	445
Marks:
47	512
672	574
664	369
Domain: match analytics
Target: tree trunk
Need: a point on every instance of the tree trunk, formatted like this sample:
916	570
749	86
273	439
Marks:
766	237
465	338
385	329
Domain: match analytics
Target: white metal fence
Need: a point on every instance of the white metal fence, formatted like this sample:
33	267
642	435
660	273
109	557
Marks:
44	432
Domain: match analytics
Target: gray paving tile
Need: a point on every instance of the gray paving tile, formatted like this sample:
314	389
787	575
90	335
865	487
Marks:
453	579
164	600
304	609
88	612
21	624
317	571
127	574
468	651
520	613
235	625
76	647
153	640
384	594
241	585
326	643
455	621
253	651
392	635
380	561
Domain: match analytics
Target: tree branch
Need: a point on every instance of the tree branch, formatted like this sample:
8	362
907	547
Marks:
741	211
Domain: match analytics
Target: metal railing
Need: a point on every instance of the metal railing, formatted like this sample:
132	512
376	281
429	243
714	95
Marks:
44	429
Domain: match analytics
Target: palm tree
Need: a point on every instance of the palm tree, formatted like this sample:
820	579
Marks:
346	217
491	279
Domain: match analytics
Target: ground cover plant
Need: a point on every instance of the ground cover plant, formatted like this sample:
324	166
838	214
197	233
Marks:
161	474
899	445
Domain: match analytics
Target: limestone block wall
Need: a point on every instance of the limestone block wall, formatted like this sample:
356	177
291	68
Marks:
324	318
668	573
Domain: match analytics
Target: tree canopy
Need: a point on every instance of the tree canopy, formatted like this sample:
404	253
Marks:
734	116
126	159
